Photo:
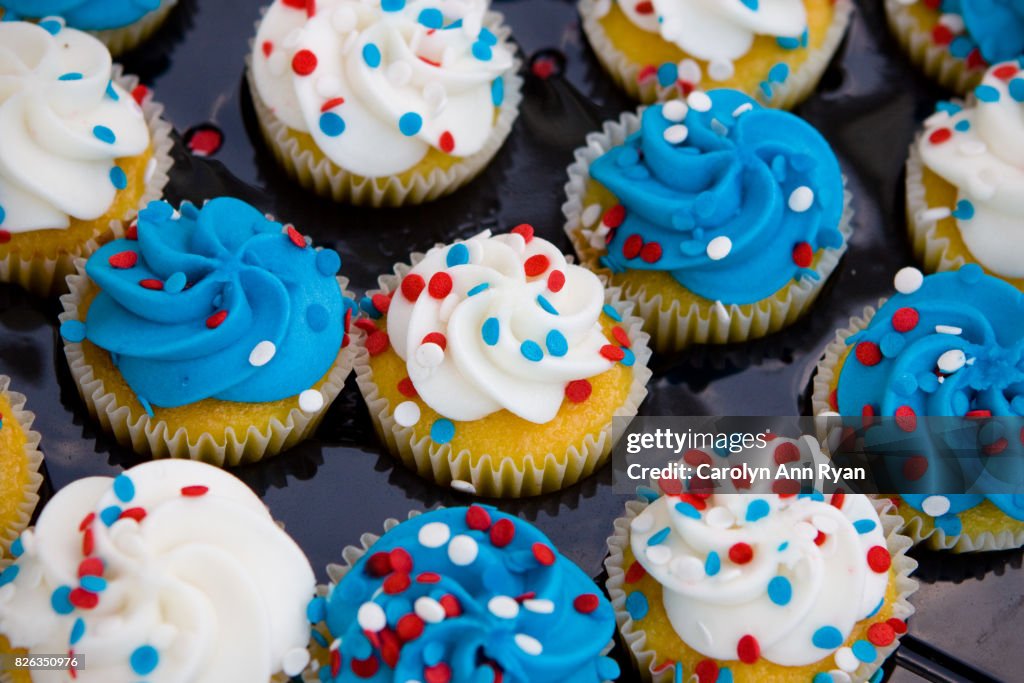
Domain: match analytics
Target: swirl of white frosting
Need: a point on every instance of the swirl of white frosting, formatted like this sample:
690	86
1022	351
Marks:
510	340
390	84
206	588
717	30
980	150
62	125
788	590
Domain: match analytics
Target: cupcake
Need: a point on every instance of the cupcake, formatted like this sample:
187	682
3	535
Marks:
943	345
954	41
383	104
722	219
775	50
495	366
212	333
965	180
20	461
461	594
120	24
80	156
744	587
171	571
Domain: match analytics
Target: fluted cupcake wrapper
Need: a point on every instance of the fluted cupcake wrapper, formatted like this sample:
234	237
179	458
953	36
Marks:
46	277
152	437
674	328
34	460
327	179
493	476
646	659
798	86
934	60
121	40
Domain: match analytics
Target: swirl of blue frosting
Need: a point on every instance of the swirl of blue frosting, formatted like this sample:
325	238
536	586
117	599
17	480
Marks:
730	180
954	347
474	593
218	302
88	15
997	26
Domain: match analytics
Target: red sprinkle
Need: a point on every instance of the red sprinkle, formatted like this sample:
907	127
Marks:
578	390
332	103
536	265
446	142
820	538
440	285
438	673
451	605
651	253
635	572
364	668
786	452
409	627
367	326
138	514
382	302
89	518
612	353
786	487
377	342
644	7
632	246
748	649
543	554
379	564
879	559
670	487
268	48
996	447
407	388
132	231
502	533
868	353
123	260
906	418
898	625
428	577
215	320
139	93
436	338
83	599
150	283
881	634
90	566
195	491
914	467
905	319
5	237
620	336
838	498
1005	71
412	286
296	237
867	415
524	230
614	216
586	603
477	518
741	553
390	647
942	35
88	542
696	457
803	254
556	280
396	583
706	670
940	135
304	62
401	560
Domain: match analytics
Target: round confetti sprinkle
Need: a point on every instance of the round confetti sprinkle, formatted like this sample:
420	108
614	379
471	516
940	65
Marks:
502	533
503	607
699	101
331	124
741	553
458	254
524	230
371	617
757	509
118	178
377	342
935	506
586	603
578	390
407	413
637	605
124	488
434	535
543	554
410	123
803	254
881	634
780	590
72	331
528	644
908	280
304	62
442	431
801	199
531	351
371	55
462	550
104	134
879	559
719	248
144	660
412	285
827	638
612	353
905	319
536	265
674	111
556	343
310	401
748	649
491	331
440	285
868	353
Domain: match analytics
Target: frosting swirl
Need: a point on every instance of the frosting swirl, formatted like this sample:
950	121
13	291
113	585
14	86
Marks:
498	322
736	567
717	30
173	572
730	198
64	124
949	347
88	15
219	302
994	27
379	86
472	593
980	150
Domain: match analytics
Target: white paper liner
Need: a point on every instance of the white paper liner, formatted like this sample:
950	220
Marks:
636	640
674	329
914	528
34	460
329	180
152	437
46	277
934	60
801	82
496	477
120	40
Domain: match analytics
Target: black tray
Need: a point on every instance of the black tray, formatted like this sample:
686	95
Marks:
970	609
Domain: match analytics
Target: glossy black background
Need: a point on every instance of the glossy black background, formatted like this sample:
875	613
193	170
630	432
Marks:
331	489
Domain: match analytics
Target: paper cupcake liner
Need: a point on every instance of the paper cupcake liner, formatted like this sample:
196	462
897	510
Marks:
34	458
120	40
635	639
934	60
326	178
493	476
152	437
674	329
46	276
802	80
828	366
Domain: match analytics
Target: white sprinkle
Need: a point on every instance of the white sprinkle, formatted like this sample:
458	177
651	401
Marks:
908	280
689	72
429	355
463	486
434	535
699	101
846	660
954	22
598	237
462	550
721	70
407	413
371	617
952	360
503	607
948	329
539	605
719	248
343	20
719	127
719	518
429	610
934	214
311	401
936	506
528	644
335	645
399	73
801	199
674	110
590	215
262	353
294	661
658	554
687	568
742	109
676	134
642	523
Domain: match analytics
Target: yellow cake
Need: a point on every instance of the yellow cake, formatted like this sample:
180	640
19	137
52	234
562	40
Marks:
20	461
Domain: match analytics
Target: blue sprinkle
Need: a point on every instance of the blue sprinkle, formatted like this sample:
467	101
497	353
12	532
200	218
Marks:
556	344
52	26
175	283
146	405
712	564
124	488
77	631
636	605
877	609
9	574
780	590
457	255
757	509
950	108
647	493
70	76
961	47
497	92
766	89
986	93
319	638
628	357
60	601
72	331
864	651
610	311
442	432
608	669
109	515
788	43
964	210
485	36
93	584
392	5
104	134
111	93
1016	88
531	350
324	674
823	677
827	638
687	510
724	676
546	305
3	215
317	317
877	676
864	526
328	262
963	125
371	55
144	660
491	330
779	73
118	178
750	4
367	307
316	610
949	524
667	74
783	546
410	123
331	124
17	548
659	537
482	51
431	18
479	288
455	24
